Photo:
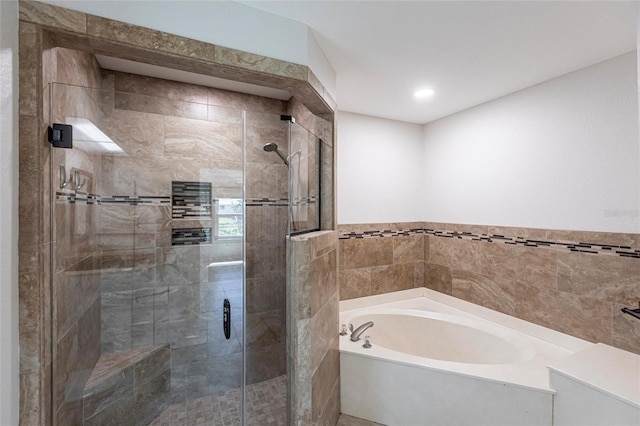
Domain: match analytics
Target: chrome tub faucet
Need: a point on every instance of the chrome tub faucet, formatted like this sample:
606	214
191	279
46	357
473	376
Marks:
355	335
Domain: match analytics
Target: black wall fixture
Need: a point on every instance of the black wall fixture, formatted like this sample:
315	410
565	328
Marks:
61	135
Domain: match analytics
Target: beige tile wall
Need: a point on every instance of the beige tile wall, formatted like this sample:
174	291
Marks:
313	364
580	294
43	27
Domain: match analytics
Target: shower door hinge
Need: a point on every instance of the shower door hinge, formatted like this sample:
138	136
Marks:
61	135
287	118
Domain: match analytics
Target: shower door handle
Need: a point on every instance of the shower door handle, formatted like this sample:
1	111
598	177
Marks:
226	318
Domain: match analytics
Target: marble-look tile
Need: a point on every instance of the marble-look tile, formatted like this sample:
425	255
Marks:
408	248
460	227
323	381
75	290
163	106
66	374
135	132
253	62
152	365
275	222
324	329
225	115
188	138
388	278
608	278
77	68
437	277
146	38
419	274
327	189
611	238
30	313
324	280
455	253
494	293
266	362
151	86
109	391
258	333
28	169
28	77
30	397
511	231
70	412
257	137
260	297
181	334
538	267
331	411
53	16
354	283
626	330
89	339
322	242
580	316
361	253
242	101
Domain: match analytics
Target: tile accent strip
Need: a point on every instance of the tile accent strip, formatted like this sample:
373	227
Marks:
190	236
84	198
564	246
190	200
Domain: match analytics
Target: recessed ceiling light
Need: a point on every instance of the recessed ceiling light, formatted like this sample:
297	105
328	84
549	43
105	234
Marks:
424	93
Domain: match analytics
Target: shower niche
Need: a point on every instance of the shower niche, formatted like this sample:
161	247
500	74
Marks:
170	206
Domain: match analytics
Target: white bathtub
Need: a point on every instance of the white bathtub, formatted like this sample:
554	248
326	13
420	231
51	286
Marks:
437	360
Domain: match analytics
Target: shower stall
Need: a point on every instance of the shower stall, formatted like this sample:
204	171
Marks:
169	223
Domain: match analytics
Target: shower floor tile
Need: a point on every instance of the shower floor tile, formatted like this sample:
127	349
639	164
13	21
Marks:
266	405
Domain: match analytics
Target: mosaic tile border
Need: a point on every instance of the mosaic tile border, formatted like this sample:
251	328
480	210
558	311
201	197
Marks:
565	246
81	197
190	200
84	198
190	236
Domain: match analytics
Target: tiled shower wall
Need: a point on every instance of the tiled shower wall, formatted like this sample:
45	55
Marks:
150	291
76	250
571	281
43	27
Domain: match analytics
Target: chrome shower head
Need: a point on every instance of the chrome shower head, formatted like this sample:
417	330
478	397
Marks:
272	147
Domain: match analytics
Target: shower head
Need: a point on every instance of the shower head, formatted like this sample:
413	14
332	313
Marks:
272	147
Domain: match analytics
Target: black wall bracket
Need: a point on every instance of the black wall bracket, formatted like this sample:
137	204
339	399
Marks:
632	312
61	135
287	118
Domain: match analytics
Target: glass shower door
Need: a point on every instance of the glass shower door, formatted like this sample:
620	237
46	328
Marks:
304	180
149	236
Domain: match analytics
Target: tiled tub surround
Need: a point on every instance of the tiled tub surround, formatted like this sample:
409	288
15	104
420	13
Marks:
571	281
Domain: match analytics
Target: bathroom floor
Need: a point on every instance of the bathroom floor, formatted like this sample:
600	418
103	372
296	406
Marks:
266	405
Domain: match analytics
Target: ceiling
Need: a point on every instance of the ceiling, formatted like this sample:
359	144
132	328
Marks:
469	52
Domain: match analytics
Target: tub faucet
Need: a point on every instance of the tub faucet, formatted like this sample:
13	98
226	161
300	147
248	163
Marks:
355	335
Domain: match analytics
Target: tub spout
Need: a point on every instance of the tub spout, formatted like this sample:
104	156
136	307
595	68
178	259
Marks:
355	335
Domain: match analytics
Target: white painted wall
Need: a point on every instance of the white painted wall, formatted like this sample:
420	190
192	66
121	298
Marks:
9	385
379	170
225	23
562	155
